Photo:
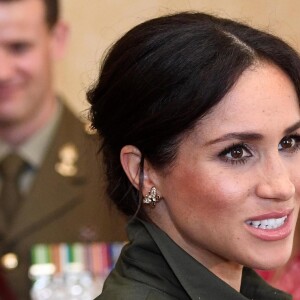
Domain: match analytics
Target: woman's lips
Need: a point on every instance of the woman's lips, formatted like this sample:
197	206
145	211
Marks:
271	226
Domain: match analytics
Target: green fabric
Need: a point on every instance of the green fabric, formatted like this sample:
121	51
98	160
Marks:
152	266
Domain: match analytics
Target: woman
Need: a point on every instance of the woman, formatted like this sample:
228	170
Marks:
200	123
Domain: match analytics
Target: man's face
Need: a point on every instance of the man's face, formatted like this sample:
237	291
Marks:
27	50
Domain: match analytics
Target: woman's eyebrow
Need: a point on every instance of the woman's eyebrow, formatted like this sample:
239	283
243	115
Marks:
292	128
249	136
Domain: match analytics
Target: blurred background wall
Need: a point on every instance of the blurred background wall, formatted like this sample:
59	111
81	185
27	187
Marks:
96	24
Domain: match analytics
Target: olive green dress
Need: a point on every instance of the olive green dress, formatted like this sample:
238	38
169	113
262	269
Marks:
153	267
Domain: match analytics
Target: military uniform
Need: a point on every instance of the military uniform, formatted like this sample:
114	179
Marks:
65	203
153	267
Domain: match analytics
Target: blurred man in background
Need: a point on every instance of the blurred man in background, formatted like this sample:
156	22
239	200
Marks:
49	179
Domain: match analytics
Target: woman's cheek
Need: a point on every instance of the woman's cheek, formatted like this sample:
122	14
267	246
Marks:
225	190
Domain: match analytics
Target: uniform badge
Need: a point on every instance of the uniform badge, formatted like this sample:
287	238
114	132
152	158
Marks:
68	157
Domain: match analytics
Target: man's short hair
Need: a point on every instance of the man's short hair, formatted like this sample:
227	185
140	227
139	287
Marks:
51	11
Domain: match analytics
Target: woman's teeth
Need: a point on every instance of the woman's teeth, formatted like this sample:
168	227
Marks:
268	223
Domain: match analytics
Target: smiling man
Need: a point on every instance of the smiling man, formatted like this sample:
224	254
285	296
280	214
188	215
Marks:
55	195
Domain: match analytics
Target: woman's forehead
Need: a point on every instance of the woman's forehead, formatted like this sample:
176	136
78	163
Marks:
262	95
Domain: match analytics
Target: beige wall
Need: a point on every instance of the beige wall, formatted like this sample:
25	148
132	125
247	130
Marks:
95	24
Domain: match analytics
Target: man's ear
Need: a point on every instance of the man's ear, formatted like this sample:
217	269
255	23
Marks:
59	39
131	157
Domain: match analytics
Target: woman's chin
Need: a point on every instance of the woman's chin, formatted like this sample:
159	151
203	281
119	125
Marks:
271	258
270	263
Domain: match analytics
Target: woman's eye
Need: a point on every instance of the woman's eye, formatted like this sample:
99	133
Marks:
236	154
289	143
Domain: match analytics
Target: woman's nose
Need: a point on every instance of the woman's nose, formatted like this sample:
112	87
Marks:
275	181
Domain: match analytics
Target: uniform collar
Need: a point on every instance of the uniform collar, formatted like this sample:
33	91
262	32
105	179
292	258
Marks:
34	149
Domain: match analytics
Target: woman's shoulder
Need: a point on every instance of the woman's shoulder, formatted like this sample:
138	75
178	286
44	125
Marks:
136	292
137	286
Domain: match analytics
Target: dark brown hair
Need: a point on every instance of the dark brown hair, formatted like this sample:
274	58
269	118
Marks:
162	77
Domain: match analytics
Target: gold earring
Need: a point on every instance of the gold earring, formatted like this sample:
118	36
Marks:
152	198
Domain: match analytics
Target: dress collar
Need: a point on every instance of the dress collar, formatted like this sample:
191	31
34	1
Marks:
197	281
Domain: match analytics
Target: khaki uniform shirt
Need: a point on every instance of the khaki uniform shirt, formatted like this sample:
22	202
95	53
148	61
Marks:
153	267
33	150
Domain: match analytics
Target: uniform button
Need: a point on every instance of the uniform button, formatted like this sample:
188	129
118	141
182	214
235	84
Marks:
9	261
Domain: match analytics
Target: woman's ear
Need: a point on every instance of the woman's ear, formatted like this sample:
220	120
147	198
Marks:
131	157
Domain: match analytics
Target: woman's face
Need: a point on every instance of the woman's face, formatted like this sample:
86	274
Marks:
233	193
